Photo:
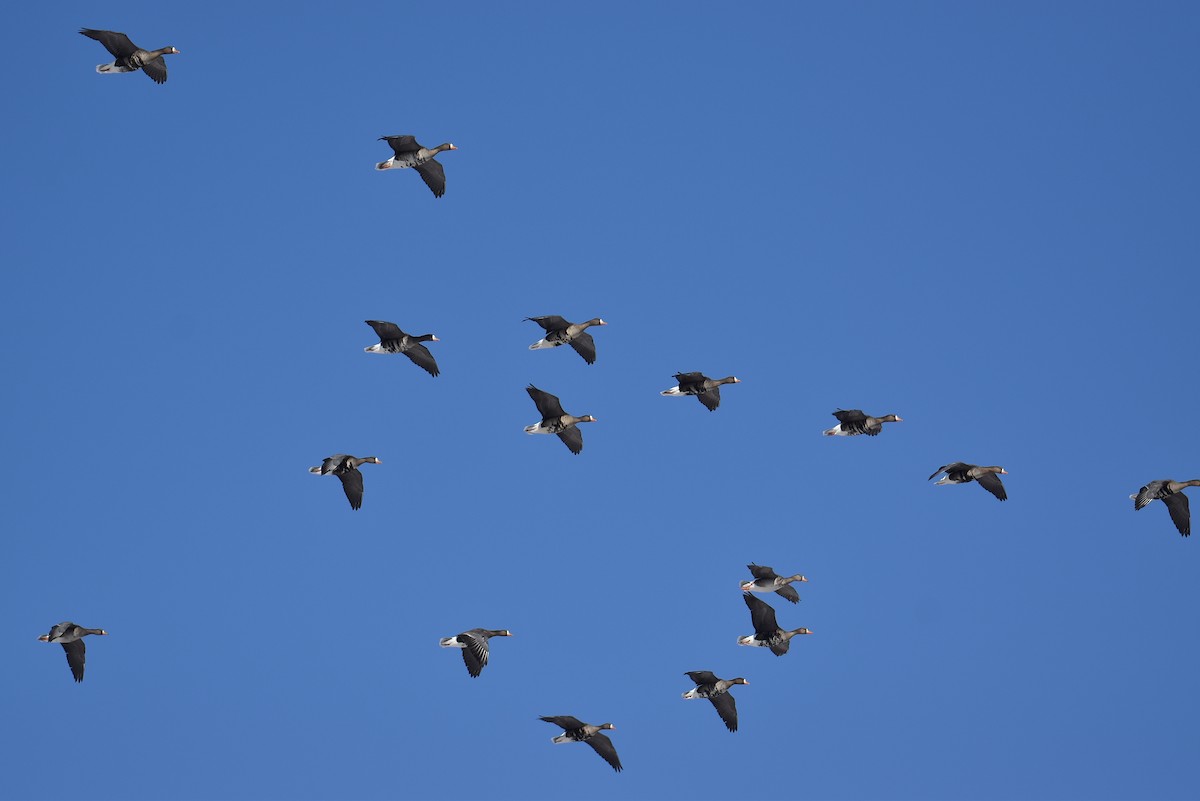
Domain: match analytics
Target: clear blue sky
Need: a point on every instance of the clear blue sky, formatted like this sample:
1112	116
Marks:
979	216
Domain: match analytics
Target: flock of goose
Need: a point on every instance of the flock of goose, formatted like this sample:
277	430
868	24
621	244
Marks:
408	153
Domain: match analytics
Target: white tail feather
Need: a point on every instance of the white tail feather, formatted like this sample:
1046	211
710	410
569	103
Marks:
672	392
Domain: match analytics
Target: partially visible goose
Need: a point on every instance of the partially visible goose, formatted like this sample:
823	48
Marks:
767	633
707	390
852	422
716	690
409	153
767	580
1171	493
576	731
393	340
70	637
346	468
561	332
963	473
556	421
130	57
474	645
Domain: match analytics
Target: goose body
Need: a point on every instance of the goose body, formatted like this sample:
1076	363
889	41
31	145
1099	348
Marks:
1170	493
130	57
767	633
963	473
393	340
852	422
409	153
706	390
474	645
576	731
345	467
70	636
561	332
717	691
767	580
556	421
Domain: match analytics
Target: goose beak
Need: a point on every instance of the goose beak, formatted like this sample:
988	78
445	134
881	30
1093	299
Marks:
44	638
899	419
802	578
434	339
102	631
452	147
1003	471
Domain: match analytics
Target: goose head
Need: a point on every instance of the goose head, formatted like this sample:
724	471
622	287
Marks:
738	680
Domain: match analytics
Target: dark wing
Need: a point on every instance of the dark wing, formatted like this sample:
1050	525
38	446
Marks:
116	43
788	593
727	709
352	484
75	657
604	747
475	655
953	467
689	378
702	676
434	176
873	429
1148	493
551	322
711	398
850	415
761	615
402	144
585	346
546	403
385	330
761	571
991	482
156	68
565	722
1177	505
573	438
423	358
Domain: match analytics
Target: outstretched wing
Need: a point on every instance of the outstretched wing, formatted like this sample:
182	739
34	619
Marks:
423	358
1147	493
564	722
116	43
76	654
991	482
1177	505
353	485
546	403
780	647
761	571
384	330
434	176
761	615
727	709
156	68
402	144
711	398
850	415
573	438
702	676
604	747
550	322
953	467
788	593
688	378
475	654
585	346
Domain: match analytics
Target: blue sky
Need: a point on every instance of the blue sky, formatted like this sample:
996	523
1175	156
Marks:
978	216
